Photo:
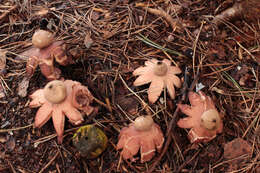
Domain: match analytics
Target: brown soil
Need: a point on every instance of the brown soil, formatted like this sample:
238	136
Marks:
125	34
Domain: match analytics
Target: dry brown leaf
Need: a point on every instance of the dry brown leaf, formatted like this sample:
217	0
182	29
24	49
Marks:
23	86
234	150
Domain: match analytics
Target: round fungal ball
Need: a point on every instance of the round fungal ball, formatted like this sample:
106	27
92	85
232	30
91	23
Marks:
210	119
55	91
90	141
143	123
160	68
42	38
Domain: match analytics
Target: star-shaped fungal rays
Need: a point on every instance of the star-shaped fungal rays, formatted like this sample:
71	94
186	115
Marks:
45	49
161	74
203	119
142	134
60	98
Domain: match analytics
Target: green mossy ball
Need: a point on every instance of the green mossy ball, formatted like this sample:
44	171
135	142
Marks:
90	141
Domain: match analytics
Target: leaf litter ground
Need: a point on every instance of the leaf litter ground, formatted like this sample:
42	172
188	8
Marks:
125	34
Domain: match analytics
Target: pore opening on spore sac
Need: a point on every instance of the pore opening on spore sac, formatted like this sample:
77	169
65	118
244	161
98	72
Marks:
160	68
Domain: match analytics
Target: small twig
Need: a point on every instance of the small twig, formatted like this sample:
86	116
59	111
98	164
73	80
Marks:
125	113
254	162
153	44
195	47
247	51
167	143
161	13
49	137
4	15
172	124
15	129
108	104
12	167
50	162
103	104
143	102
44	139
58	168
4	84
187	162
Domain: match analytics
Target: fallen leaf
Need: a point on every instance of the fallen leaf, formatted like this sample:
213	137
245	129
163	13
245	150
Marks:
23	86
128	104
234	149
217	51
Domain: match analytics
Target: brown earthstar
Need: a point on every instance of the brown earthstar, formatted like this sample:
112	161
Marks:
142	134
203	119
161	74
59	99
45	49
